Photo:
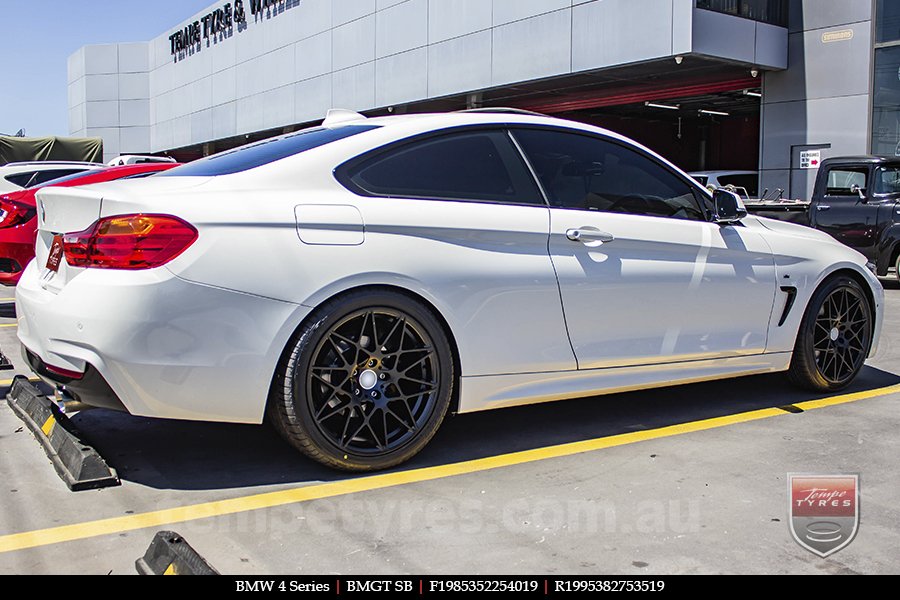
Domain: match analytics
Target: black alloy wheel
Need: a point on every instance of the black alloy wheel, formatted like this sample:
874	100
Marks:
835	336
373	381
366	383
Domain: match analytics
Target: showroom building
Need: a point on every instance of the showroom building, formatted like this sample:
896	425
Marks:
768	85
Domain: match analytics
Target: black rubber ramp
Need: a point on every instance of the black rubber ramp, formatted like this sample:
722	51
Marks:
78	464
170	554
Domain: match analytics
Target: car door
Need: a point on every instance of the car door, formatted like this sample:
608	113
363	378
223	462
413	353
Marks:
644	278
841	212
885	196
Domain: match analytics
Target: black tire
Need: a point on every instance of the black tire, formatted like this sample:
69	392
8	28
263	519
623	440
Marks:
897	267
834	338
323	388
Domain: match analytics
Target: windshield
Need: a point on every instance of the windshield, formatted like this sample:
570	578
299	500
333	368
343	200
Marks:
265	152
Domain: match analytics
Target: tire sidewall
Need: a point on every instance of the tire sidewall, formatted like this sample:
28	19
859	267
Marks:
333	313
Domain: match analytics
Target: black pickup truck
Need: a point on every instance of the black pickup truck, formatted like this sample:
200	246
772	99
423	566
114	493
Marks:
856	199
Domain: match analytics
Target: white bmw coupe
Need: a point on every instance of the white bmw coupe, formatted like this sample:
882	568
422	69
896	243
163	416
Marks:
357	281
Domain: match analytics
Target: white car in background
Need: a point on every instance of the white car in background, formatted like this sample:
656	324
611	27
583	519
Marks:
137	159
357	281
745	183
21	175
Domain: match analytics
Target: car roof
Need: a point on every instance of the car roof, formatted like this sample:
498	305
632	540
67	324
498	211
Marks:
717	173
497	116
864	159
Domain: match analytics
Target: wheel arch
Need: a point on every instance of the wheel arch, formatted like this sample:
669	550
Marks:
888	249
846	271
409	293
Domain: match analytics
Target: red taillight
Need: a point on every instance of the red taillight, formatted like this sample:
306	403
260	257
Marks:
12	213
129	242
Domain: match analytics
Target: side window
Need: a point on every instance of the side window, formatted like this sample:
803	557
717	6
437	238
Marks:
842	182
590	173
474	166
888	181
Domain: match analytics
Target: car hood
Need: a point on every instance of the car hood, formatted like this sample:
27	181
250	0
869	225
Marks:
794	230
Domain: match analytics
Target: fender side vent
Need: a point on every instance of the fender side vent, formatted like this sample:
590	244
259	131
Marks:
789	303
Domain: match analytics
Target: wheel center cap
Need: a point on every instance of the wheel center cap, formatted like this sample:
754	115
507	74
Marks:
368	379
833	335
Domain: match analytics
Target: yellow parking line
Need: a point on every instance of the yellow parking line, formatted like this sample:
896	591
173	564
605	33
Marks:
7	299
9	324
166	517
8	382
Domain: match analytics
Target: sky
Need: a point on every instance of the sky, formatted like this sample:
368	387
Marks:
37	38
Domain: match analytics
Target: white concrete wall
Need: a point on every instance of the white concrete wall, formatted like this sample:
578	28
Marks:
293	64
109	96
822	101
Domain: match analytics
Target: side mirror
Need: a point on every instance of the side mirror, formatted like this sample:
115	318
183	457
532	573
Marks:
858	190
729	207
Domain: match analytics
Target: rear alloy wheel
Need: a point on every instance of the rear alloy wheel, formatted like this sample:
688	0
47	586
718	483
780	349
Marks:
835	337
366	384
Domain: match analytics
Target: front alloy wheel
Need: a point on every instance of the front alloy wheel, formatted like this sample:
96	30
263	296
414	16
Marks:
366	384
835	337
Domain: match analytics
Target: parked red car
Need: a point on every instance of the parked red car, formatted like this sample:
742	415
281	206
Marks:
18	213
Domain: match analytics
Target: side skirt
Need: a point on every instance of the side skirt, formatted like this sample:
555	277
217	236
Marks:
500	391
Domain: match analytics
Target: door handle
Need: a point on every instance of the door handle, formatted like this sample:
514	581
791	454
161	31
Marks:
823	207
589	235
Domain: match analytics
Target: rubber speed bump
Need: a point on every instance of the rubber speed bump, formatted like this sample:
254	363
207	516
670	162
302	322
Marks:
170	554
79	465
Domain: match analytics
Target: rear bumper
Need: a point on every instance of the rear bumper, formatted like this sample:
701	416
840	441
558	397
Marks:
90	389
164	347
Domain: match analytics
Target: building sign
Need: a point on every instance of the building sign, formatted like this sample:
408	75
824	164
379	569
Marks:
810	159
218	21
837	36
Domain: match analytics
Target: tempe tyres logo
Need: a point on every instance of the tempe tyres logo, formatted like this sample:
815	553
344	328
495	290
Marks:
824	511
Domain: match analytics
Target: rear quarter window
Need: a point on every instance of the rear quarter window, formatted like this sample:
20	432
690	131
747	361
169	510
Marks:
479	165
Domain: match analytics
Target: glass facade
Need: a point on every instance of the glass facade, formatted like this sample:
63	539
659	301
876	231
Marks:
886	87
887	21
774	12
886	102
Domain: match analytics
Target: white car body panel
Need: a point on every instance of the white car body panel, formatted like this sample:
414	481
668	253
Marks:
501	391
200	338
676	267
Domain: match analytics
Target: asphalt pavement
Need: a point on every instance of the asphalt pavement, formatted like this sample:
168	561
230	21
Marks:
678	480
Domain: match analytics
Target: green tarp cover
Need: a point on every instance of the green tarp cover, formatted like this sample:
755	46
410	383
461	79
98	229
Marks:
19	149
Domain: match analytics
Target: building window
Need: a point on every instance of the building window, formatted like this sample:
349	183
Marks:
886	102
774	12
887	21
